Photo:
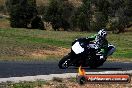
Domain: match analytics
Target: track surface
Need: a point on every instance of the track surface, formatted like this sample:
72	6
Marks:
19	69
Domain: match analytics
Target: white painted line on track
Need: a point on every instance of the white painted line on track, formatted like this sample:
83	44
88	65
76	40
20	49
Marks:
51	76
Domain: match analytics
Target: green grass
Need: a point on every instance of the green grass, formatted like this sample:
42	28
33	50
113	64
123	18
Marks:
14	40
29	84
62	39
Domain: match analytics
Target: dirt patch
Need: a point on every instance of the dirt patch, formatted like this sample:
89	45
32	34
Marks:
33	52
44	53
4	22
119	59
57	51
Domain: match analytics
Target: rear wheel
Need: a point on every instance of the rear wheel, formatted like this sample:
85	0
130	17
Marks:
64	62
81	63
97	64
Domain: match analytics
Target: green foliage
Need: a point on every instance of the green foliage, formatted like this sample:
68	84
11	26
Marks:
24	84
58	13
117	24
91	15
37	23
128	8
98	22
120	15
88	16
22	13
2	9
81	17
41	9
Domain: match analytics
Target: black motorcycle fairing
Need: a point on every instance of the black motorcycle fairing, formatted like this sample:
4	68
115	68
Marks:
82	41
84	57
87	58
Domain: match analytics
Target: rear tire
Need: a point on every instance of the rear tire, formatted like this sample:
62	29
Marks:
64	62
97	64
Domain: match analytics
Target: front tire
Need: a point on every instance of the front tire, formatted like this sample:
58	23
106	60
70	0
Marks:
64	62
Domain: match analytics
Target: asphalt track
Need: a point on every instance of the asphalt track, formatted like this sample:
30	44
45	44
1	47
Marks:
20	69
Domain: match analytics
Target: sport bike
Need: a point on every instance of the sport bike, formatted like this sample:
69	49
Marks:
84	54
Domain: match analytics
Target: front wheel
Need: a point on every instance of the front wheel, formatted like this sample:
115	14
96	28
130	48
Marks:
64	62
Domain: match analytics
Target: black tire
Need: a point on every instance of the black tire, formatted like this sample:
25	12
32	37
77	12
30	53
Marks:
97	64
93	67
64	62
79	63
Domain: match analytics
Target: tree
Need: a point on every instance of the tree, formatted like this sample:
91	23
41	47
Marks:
98	22
120	15
37	23
59	13
81	17
128	12
21	12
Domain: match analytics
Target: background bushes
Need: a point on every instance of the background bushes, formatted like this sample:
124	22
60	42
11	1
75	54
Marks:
89	15
22	13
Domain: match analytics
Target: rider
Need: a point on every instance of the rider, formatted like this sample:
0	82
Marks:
101	43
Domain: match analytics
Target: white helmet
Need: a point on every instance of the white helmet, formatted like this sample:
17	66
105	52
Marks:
102	33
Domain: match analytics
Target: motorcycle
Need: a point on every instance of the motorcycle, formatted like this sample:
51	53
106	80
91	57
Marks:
84	54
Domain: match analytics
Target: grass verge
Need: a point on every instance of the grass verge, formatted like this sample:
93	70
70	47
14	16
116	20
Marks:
23	44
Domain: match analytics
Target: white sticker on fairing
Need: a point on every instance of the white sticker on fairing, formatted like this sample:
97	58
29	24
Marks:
77	48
